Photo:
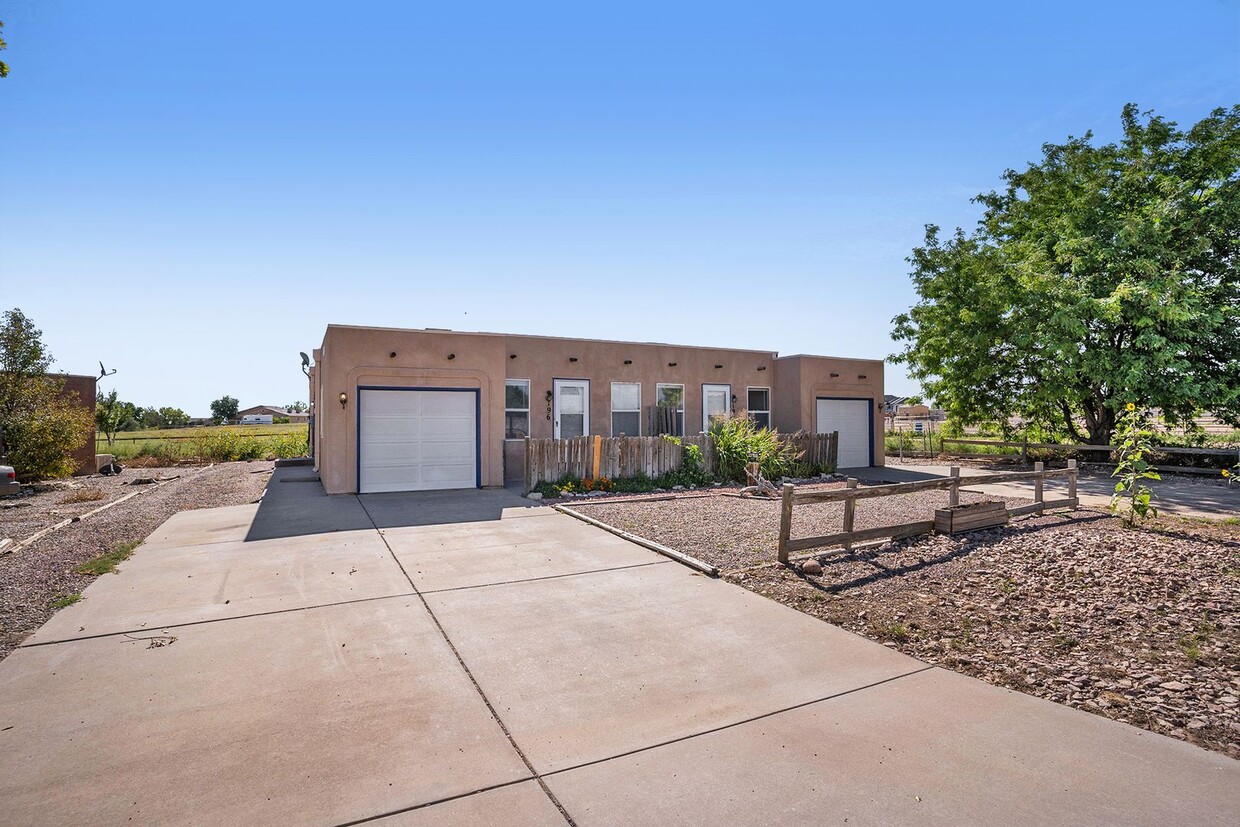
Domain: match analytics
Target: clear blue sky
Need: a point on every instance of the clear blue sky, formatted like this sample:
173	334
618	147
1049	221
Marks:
190	192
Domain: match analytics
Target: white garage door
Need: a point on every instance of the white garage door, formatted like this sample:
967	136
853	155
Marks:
417	440
851	417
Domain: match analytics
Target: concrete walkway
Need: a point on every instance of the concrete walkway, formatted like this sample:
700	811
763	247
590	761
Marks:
1184	497
465	658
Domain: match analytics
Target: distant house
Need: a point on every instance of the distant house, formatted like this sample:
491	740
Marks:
273	411
892	403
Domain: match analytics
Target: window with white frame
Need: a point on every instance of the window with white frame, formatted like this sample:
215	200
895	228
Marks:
669	411
626	408
760	406
516	409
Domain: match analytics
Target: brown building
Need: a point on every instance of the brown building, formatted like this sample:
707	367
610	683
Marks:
397	410
83	387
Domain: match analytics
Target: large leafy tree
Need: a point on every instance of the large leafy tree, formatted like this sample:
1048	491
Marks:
40	424
224	409
1100	275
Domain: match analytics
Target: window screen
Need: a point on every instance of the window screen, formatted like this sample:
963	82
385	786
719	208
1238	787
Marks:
626	409
760	406
517	409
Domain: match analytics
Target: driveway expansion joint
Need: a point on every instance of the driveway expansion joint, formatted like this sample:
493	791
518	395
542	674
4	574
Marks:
469	674
742	722
184	624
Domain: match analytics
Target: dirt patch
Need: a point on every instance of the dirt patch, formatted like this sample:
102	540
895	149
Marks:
39	579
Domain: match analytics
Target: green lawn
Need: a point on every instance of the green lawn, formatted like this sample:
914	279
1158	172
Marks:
218	443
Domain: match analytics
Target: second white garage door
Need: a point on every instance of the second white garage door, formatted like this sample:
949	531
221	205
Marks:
851	417
417	440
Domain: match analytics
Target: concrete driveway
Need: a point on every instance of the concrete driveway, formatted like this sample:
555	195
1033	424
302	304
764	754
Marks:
465	658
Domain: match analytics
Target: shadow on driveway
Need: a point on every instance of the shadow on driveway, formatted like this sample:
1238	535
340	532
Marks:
296	505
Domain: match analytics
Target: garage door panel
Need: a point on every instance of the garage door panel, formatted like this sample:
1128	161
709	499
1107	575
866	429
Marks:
412	440
852	419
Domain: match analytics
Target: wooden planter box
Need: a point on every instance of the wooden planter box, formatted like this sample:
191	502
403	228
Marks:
970	517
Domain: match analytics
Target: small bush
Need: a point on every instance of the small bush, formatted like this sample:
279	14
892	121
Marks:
288	446
739	441
84	495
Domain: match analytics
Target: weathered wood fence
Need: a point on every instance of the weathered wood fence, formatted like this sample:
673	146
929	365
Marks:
549	460
1224	454
817	449
851	493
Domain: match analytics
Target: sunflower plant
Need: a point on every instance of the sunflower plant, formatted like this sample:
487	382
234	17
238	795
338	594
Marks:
1132	497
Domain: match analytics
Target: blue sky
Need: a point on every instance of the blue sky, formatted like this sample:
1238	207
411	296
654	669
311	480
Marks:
192	192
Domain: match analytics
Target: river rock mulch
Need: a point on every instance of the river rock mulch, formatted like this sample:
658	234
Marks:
33	579
1140	625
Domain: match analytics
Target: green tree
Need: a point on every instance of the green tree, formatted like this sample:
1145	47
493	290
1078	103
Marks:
224	409
1100	274
4	67
40	424
110	415
173	418
297	407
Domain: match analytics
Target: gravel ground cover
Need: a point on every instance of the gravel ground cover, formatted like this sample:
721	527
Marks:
39	506
1140	625
735	532
34	579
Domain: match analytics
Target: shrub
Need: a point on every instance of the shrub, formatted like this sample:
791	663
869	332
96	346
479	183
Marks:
1132	496
739	441
690	471
287	446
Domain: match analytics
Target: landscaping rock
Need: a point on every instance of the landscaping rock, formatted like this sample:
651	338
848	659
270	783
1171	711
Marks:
533	495
811	567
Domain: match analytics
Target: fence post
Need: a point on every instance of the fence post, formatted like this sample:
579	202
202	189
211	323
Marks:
785	523
1024	449
1072	482
528	468
1040	468
850	506
953	496
598	453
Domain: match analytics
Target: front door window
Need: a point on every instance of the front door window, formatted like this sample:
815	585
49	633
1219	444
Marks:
715	403
572	408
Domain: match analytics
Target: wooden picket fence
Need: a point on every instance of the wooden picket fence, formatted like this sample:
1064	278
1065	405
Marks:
818	449
550	460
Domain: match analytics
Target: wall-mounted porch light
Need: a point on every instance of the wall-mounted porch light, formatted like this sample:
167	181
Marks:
344	399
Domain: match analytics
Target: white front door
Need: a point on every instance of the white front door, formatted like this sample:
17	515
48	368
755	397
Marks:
852	418
417	440
716	401
572	408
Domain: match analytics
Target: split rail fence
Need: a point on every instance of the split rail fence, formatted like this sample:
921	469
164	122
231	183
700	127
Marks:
1226	454
851	493
593	456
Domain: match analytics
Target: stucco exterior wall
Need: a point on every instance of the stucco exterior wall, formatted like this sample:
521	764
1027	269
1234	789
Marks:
542	360
353	357
826	376
83	387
